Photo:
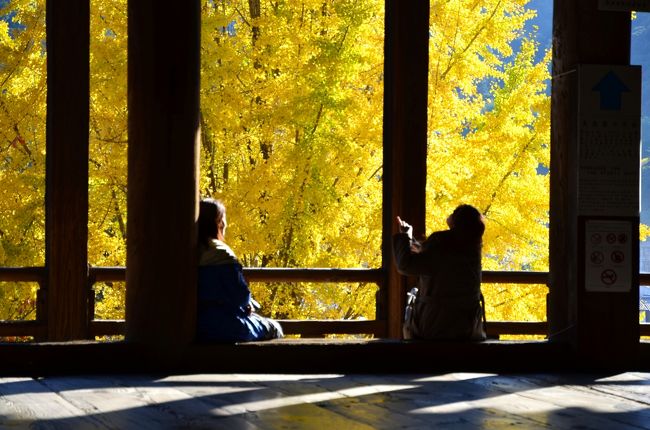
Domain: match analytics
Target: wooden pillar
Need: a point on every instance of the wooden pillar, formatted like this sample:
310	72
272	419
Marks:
163	102
66	184
406	65
602	326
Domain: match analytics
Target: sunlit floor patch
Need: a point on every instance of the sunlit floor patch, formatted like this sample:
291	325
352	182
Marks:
351	402
325	396
453	377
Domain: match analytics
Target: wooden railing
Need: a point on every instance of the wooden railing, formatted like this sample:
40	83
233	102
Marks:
308	328
23	274
35	328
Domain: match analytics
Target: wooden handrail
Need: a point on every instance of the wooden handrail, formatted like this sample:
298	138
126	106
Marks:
272	274
107	327
313	275
118	273
511	277
309	328
316	328
644	278
35	329
107	273
255	274
22	274
312	328
496	328
302	327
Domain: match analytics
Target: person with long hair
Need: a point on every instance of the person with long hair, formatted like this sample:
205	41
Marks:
448	303
226	309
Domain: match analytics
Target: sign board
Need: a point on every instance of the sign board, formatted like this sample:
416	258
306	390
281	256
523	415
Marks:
609	134
608	254
625	5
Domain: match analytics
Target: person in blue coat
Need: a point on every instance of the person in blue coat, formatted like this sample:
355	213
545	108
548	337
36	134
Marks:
226	309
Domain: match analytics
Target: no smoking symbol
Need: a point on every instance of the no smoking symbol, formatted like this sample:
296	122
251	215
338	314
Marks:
608	277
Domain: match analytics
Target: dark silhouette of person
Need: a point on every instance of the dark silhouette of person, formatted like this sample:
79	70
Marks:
448	304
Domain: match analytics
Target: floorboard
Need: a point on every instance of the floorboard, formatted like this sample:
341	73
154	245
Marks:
328	401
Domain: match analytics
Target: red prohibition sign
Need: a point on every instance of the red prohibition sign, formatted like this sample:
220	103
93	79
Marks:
611	238
608	277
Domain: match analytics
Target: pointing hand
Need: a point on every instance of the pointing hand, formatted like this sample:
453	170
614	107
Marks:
405	227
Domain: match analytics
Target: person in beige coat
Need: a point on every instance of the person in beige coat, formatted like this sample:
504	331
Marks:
448	304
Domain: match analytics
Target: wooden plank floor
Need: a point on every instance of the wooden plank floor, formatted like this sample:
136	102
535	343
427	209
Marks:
327	401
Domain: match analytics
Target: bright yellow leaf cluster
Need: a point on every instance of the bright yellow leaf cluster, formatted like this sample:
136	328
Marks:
489	139
291	123
22	147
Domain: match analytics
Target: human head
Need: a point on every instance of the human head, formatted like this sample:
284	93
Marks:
467	221
212	220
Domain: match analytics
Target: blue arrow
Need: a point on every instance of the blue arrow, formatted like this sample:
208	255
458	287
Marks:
610	88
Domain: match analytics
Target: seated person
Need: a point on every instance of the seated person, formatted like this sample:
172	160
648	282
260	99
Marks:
226	310
449	303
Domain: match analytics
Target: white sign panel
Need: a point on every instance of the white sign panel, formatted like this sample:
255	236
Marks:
609	134
608	254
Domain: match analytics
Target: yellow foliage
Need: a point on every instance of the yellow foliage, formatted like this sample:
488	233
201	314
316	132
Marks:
110	300
22	141
490	148
18	300
107	165
291	122
644	232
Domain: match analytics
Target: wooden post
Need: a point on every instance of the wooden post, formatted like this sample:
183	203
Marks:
602	325
406	65
66	184
163	101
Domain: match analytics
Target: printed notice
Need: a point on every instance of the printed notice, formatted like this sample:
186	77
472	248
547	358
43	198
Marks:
608	254
609	133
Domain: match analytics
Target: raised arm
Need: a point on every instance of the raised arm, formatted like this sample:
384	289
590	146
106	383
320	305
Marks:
409	260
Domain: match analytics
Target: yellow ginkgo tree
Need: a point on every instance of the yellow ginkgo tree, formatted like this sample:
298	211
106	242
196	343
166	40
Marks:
22	150
291	139
489	139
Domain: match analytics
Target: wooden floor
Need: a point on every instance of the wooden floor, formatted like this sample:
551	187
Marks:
327	401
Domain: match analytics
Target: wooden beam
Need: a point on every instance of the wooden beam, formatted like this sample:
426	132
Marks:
315	328
514	277
107	328
291	356
406	65
600	324
163	102
23	274
66	183
497	328
35	329
313	275
257	274
319	328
